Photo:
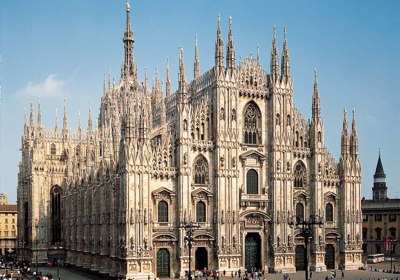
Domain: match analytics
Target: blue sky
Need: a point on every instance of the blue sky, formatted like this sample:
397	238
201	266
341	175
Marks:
55	49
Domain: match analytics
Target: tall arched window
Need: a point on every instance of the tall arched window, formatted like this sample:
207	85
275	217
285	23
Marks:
252	182
329	212
300	212
252	124
300	175
200	170
163	212
201	212
53	149
55	200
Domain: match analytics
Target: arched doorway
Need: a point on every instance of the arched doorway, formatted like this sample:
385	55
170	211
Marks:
330	256
201	257
163	264
300	257
253	252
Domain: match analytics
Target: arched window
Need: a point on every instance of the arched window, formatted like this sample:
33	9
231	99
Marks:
300	175
329	212
252	124
200	170
252	182
299	212
55	200
53	149
201	212
163	212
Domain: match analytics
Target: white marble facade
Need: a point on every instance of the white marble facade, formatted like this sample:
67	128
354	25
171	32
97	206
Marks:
228	150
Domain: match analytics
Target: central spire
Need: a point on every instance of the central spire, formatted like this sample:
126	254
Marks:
316	109
128	69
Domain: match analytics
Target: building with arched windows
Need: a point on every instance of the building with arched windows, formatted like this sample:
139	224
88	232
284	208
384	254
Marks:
381	218
227	150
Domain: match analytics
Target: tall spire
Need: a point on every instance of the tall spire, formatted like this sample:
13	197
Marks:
219	47
56	121
354	137
168	88
315	99
79	125
285	67
65	118
182	82
39	116
31	116
345	135
274	56
128	69
90	121
196	67
230	48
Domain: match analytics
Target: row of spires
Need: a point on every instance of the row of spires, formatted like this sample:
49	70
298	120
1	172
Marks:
35	119
349	142
129	70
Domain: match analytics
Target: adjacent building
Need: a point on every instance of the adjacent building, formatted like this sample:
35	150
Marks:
227	150
381	218
8	226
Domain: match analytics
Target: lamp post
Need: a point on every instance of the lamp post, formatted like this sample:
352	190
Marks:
189	239
306	232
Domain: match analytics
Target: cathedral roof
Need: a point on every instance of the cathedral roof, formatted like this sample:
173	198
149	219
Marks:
379	172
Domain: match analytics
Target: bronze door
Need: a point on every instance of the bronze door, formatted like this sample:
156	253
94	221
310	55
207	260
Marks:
253	252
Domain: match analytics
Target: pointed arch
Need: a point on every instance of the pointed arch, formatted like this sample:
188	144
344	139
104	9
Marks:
252	124
300	175
200	170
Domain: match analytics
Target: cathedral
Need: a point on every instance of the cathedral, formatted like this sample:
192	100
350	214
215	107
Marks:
227	151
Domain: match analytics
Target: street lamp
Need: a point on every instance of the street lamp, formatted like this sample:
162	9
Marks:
189	239
306	232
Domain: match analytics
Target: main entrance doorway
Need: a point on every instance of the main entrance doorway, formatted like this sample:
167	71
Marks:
300	257
330	256
201	257
253	252
163	265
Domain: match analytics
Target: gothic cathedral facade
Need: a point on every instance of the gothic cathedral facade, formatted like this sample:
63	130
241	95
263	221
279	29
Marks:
228	151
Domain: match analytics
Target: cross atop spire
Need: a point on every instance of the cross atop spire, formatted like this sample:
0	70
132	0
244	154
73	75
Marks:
128	69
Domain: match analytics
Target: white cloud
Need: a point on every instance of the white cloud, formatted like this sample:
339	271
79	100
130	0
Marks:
50	87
